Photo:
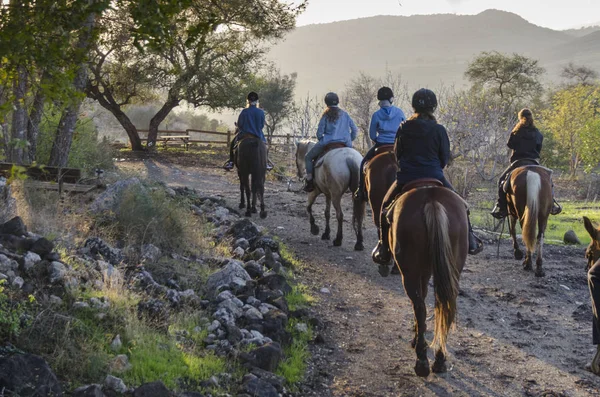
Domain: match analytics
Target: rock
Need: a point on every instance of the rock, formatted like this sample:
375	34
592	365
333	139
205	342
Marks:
150	253
3	276
43	247
231	273
234	334
30	259
109	199
116	343
267	357
15	227
89	391
154	310
238	252
221	213
243	228
276	380
231	307
276	282
571	238
170	192
325	290
266	294
173	297
253	314
152	389
214	326
99	304
583	313
96	247
254	269
252	301
57	272
18	282
241	243
281	304
115	384
27	375
55	300
301	327
191	394
225	295
259	388
264	242
80	305
274	326
8	204
257	254
120	363
7	264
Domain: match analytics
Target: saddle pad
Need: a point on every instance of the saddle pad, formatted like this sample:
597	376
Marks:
423	182
506	183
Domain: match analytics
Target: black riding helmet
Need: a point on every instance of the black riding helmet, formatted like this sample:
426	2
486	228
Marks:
424	100
332	99
385	94
252	97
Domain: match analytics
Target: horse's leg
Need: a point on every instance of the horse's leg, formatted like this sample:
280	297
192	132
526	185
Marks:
413	288
314	229
242	203
337	204
543	220
261	191
253	190
512	225
247	191
326	234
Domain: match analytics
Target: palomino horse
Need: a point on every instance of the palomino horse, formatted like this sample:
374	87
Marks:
529	196
592	254
428	235
251	161
335	172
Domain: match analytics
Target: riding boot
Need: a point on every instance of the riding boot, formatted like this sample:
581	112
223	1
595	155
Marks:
556	208
270	165
361	193
475	243
309	185
381	254
500	210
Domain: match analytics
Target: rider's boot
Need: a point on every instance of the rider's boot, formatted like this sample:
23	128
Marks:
381	253
270	165
309	185
500	210
475	243
361	192
228	165
556	208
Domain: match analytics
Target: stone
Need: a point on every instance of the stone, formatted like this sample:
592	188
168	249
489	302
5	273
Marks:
7	264
30	259
267	357
43	247
265	242
170	192
259	388
238	252
257	254
276	380
18	282
325	290
253	314
115	384
3	276
116	343
55	300
99	304
173	297
231	307
108	200
253	301
57	272
276	282
254	269
281	304
80	305
570	237
241	243
274	326
89	391
15	227
225	295
98	248
154	310
234	334
221	213
8	204
152	389
227	275
120	363
214	326
150	253
266	294
27	375
301	327
244	228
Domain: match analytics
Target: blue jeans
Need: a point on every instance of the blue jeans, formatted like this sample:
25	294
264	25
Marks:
311	156
594	285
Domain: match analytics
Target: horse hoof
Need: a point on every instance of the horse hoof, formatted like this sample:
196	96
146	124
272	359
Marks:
527	266
248	214
337	242
314	229
422	368
395	270
518	255
539	273
384	271
359	246
439	367
325	236
241	206
263	214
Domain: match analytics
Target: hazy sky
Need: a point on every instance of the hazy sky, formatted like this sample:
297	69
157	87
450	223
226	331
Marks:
555	14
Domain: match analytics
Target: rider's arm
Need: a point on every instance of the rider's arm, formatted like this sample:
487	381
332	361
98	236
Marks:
538	146
398	143
373	128
321	128
353	129
444	152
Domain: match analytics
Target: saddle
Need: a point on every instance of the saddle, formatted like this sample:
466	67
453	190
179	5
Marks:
520	164
383	149
421	183
329	147
240	138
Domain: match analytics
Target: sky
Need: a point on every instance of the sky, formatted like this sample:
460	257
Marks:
555	14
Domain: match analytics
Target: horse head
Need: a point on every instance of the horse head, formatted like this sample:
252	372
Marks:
592	253
302	147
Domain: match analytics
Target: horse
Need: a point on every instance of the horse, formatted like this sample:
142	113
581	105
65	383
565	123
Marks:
529	194
380	174
251	161
428	236
335	172
592	254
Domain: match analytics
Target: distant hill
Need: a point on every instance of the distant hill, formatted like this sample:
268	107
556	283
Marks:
583	31
427	50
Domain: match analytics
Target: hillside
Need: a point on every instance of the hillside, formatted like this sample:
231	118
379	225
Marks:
426	50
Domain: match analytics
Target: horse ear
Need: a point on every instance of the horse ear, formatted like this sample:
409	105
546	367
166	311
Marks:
590	228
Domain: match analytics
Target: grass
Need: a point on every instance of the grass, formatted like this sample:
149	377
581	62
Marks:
297	354
299	297
571	218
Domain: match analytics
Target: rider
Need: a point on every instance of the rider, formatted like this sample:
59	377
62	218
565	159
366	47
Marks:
422	149
526	144
384	124
250	121
335	126
594	286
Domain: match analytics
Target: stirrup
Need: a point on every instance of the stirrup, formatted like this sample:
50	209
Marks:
380	254
498	212
308	185
228	165
556	208
478	244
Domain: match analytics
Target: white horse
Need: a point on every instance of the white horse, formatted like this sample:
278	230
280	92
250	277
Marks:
334	174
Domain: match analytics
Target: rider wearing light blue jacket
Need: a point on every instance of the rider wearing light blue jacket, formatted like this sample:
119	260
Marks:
335	126
384	125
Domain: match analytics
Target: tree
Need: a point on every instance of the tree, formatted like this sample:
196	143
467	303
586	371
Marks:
276	92
579	74
360	98
305	115
198	51
511	78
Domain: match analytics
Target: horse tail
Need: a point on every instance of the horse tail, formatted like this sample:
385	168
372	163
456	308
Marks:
358	206
530	215
258	165
445	272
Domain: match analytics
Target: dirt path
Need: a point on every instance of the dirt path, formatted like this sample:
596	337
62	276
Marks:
516	335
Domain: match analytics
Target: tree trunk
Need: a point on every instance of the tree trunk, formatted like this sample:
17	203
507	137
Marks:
61	147
158	118
19	119
35	118
5	138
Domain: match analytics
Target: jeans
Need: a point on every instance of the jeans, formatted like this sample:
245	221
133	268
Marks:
594	285
311	156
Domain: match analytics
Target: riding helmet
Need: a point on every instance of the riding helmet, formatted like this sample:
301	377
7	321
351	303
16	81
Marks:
385	94
252	97
332	99
424	100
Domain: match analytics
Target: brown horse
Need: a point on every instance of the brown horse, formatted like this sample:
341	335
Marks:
592	254
251	161
428	235
380	173
530	200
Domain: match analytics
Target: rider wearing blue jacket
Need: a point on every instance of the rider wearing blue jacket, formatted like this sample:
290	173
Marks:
382	131
335	126
423	150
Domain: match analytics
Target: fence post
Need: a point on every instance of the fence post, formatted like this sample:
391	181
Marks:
228	137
